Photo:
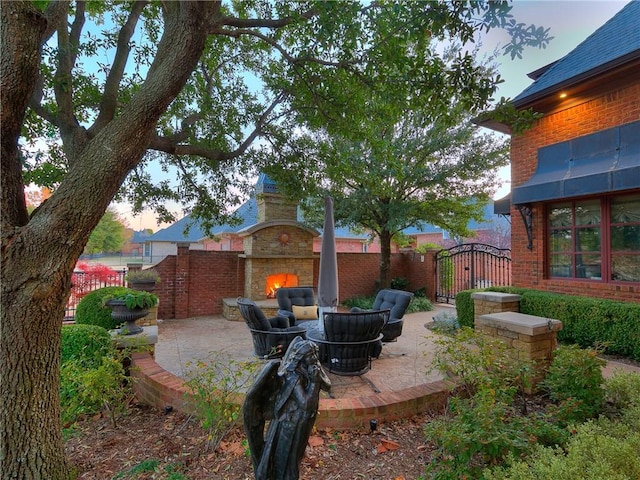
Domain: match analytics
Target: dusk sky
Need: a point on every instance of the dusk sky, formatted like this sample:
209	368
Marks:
571	22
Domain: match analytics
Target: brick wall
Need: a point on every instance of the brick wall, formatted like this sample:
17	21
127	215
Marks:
156	387
606	111
195	282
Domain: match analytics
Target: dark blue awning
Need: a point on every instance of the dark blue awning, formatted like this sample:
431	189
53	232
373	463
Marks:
606	161
502	206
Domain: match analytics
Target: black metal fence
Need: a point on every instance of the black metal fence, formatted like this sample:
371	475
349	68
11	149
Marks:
470	265
85	282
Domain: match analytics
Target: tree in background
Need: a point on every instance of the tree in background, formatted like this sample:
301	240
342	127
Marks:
179	91
108	236
431	167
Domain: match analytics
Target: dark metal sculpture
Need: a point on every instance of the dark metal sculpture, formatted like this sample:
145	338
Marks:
286	393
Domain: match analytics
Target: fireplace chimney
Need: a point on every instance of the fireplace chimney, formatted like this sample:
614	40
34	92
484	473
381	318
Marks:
271	204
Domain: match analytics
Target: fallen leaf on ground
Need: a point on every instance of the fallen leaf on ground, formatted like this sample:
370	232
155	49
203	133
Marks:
390	444
315	441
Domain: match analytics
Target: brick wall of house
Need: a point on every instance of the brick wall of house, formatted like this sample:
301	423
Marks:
607	111
195	282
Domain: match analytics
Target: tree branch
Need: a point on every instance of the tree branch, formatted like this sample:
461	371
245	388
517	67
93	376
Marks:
291	59
265	23
108	102
170	144
74	136
55	14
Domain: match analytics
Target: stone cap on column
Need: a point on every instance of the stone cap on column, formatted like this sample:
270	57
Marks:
496	297
520	323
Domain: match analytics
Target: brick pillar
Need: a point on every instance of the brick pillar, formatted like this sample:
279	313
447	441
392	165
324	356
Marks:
531	338
429	260
182	281
493	302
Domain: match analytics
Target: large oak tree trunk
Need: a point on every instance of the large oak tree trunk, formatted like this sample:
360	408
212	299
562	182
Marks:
30	442
40	252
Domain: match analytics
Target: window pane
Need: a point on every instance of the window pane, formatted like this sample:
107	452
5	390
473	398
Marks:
561	241
560	215
588	212
625	268
561	266
588	240
625	209
588	266
625	238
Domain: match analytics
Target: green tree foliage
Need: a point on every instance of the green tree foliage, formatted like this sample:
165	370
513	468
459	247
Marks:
113	88
108	236
431	166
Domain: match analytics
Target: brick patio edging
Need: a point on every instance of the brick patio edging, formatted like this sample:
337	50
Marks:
156	387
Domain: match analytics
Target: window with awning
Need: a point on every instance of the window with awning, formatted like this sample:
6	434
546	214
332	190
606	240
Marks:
604	162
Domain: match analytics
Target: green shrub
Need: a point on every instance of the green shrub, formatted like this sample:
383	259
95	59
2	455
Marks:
602	449
85	344
419	304
89	390
213	388
445	321
420	292
464	308
92	311
400	283
622	391
480	362
489	421
574	381
365	303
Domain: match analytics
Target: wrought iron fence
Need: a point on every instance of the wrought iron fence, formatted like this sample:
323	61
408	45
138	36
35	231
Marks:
85	282
470	265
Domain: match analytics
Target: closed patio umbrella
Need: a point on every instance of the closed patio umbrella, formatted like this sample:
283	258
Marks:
328	276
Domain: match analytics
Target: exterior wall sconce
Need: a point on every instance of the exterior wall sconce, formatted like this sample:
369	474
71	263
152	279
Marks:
527	218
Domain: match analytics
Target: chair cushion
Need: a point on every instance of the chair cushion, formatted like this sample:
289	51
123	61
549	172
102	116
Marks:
305	313
279	322
261	321
301	296
395	300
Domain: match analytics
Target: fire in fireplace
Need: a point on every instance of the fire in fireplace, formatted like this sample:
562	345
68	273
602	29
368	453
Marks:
280	280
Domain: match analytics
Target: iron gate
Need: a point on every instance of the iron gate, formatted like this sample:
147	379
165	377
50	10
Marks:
470	265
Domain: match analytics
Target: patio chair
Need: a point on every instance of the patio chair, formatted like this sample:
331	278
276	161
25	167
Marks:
397	302
350	340
297	303
271	336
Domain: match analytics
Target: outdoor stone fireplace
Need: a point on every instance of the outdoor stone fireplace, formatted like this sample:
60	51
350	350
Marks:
278	250
280	280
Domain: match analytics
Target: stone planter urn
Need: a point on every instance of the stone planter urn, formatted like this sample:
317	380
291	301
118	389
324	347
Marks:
123	314
142	280
129	306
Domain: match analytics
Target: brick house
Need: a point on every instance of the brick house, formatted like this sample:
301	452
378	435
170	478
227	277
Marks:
575	200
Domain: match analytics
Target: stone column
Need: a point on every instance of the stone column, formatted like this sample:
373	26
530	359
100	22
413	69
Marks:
494	302
531	338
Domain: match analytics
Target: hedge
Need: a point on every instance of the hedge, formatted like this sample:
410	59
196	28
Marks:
91	310
588	322
85	344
